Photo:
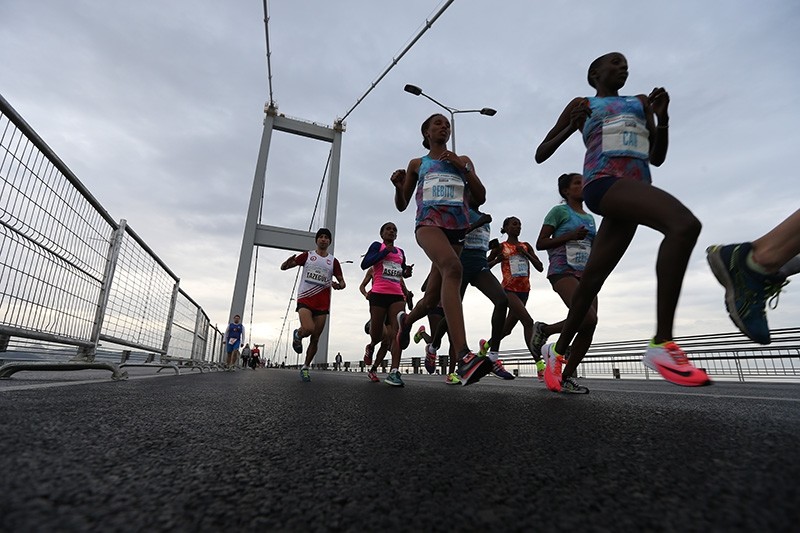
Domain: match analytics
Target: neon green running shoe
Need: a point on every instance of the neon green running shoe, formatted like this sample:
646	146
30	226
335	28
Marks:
484	344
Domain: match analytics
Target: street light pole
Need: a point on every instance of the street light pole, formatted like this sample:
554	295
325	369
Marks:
488	111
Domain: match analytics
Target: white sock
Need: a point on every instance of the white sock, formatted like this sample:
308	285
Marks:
493	356
393	370
305	367
755	267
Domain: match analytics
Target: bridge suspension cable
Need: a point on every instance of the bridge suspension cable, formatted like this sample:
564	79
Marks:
395	60
269	53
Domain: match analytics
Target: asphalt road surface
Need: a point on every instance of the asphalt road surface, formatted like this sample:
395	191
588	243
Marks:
262	451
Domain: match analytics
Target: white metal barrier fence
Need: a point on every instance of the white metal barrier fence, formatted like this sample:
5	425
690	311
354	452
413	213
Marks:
70	275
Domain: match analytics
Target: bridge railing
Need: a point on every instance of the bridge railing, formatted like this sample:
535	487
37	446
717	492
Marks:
722	355
71	275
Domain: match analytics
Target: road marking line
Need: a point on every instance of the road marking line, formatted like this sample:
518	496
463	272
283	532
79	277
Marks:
718	396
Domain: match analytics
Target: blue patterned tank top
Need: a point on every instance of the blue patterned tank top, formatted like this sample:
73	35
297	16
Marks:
617	140
440	195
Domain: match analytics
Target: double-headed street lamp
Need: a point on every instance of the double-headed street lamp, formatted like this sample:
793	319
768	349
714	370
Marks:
488	111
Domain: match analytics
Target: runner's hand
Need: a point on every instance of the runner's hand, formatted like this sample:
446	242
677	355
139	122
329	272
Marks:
398	177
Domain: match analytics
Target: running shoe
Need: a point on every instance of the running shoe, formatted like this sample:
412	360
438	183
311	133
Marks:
418	334
305	375
670	361
540	366
571	386
499	370
552	371
394	379
452	379
297	342
746	291
538	339
484	344
430	358
368	350
403	331
472	368
373	377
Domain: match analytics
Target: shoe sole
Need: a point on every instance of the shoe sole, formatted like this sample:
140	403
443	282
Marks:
551	380
720	271
400	337
393	384
297	345
675	380
475	373
532	345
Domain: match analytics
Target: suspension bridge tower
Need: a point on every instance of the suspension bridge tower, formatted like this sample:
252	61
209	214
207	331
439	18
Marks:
256	234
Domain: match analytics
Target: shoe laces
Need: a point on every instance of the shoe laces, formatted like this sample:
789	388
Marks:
772	292
569	383
498	365
677	353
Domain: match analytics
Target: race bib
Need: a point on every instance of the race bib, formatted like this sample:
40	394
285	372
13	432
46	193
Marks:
626	135
443	189
232	341
317	274
578	253
519	266
478	239
392	271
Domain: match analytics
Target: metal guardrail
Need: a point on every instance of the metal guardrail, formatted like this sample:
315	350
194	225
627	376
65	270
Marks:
722	355
70	275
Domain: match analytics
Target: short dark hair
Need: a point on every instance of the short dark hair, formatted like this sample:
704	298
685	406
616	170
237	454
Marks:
323	231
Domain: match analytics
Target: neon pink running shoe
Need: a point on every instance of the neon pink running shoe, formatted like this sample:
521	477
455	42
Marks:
552	371
670	361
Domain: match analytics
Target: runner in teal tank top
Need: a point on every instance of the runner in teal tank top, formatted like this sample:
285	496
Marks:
622	138
567	234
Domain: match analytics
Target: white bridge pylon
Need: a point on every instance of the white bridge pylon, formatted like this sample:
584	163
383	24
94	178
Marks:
256	234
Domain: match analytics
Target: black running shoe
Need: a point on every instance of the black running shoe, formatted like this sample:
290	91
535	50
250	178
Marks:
297	342
403	331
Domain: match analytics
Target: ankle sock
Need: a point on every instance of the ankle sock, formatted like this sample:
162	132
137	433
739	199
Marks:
752	265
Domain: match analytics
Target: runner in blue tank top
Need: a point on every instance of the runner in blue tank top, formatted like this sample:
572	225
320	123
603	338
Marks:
622	138
439	181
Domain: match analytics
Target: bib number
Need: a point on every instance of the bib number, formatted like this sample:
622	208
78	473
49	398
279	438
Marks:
392	271
318	275
626	135
478	239
578	254
442	189
519	266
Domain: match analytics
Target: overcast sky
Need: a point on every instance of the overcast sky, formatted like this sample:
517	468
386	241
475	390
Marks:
157	106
